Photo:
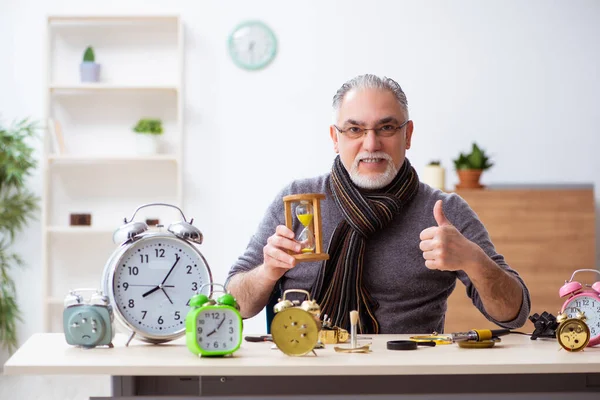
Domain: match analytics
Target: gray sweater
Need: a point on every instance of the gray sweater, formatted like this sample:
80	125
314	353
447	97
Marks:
412	298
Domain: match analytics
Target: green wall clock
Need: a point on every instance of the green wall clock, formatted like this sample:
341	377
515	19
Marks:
252	45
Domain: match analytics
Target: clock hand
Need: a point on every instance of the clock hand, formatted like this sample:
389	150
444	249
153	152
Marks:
151	291
251	51
164	291
153	285
218	326
171	270
220	323
162	283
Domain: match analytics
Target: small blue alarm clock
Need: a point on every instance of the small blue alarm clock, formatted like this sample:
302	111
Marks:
88	323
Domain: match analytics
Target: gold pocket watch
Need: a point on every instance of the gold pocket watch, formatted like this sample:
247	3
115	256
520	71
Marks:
295	327
573	334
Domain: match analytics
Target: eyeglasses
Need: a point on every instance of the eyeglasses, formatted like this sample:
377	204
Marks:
355	132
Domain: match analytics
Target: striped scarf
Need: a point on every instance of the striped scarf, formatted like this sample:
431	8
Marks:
340	288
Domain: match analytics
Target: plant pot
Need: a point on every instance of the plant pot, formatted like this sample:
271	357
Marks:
434	176
469	179
147	144
89	71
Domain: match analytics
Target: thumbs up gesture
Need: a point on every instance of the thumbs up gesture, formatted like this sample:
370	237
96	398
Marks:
444	247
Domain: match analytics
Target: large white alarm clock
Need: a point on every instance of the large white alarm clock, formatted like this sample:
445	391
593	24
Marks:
151	276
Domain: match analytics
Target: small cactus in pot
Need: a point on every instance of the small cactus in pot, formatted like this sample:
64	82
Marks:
89	69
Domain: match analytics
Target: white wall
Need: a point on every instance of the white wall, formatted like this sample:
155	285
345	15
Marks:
520	78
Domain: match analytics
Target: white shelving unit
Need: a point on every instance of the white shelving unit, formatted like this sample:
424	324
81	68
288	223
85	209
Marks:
100	172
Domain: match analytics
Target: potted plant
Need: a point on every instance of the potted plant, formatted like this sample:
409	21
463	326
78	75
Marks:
435	175
17	206
470	166
89	69
148	131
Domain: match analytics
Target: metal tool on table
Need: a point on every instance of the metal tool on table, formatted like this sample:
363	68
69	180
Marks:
354	346
479	335
545	325
475	338
407	344
260	338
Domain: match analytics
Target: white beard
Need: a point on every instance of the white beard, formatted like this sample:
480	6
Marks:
377	181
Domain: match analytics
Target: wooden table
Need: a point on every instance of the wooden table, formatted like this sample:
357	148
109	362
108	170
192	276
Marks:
516	365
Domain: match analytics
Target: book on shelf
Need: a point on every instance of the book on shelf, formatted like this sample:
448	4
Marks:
58	142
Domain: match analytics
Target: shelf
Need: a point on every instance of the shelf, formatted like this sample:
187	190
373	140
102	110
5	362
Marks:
79	159
112	18
80	229
87	87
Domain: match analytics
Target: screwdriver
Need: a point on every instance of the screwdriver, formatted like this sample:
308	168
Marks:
479	334
262	338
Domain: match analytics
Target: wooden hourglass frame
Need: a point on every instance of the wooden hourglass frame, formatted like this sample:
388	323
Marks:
315	201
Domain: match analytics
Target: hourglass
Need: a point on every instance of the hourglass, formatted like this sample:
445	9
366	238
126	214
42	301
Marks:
305	214
308	212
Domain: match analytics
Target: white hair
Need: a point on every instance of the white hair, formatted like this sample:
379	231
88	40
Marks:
371	82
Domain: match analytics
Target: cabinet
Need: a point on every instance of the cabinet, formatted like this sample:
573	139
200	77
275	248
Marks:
544	233
100	171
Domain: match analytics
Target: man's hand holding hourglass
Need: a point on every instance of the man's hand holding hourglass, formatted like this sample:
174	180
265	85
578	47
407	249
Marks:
275	253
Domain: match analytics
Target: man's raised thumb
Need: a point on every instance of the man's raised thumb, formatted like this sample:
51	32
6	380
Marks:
438	214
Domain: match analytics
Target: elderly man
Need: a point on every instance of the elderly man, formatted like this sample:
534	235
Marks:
396	245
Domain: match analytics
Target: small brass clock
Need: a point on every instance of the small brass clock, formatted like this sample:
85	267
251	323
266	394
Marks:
295	327
573	334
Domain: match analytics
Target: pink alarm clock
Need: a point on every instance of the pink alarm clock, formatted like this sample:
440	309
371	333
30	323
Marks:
586	300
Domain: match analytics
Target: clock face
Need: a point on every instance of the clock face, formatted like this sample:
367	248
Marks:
153	282
252	45
218	329
588	304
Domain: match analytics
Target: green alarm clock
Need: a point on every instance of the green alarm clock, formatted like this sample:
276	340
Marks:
252	45
213	327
